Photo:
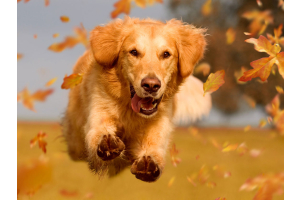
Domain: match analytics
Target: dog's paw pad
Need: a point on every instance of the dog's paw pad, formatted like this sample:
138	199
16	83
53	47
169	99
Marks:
110	147
145	169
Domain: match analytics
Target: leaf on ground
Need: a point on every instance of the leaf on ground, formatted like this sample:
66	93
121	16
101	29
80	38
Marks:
64	19
259	20
254	153
206	8
214	81
32	175
279	89
71	81
203	68
230	35
191	181
203	174
49	83
173	153
242	149
171	181
231	147
247	128
67	193
29	99
71	41
19	56
211	184
39	138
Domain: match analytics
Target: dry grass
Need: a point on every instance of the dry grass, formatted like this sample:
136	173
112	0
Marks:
75	176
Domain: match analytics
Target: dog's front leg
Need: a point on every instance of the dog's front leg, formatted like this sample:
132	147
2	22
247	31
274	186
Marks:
150	150
102	143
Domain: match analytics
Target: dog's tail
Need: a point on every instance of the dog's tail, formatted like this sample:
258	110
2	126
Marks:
190	105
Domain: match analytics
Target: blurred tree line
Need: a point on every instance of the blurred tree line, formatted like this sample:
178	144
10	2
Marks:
220	55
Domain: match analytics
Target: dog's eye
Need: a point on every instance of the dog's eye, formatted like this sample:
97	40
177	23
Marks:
133	52
166	54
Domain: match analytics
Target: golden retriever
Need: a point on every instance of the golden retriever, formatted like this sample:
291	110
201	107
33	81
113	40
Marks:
137	81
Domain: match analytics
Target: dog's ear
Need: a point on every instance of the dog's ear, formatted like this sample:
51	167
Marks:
106	42
190	42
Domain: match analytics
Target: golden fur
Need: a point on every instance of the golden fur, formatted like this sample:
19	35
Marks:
100	107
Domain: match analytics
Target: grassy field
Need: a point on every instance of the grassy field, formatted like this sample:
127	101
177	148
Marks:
73	180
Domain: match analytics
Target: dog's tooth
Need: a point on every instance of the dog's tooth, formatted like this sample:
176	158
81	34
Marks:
154	105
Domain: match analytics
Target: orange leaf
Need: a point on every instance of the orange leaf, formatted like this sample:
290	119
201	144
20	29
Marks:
47	2
238	74
122	6
64	19
211	184
279	121
262	44
262	123
39	138
277	33
35	36
279	89
230	147
173	153
19	56
219	198
280	63
247	128
214	81
203	68
206	8
71	81
274	107
70	41
67	193
259	20
32	175
49	83
242	149
259	3
191	181
55	35
251	102
171	181
255	152
18	1
230	35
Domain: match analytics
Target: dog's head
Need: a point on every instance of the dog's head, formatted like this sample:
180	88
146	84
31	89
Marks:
152	57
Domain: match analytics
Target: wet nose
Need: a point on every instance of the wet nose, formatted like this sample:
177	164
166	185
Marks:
151	84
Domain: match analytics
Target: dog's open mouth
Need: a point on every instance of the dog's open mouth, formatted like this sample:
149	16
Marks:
146	106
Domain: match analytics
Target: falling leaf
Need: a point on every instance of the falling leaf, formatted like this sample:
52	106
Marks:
214	81
203	68
269	119
124	6
206	8
273	108
191	181
70	41
19	56
242	149
279	89
221	172
259	20
262	67
29	99
40	140
277	33
32	175
267	185
49	83
55	35
67	193
247	128
238	74
262	123
173	153
64	19
259	3
18	1
71	81
47	2
255	152
230	35
247	33
281	4
278	121
171	181
227	174
203	174
250	101
35	36
211	184
230	147
89	195
215	143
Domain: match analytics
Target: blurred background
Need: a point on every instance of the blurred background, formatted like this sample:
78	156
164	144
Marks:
228	154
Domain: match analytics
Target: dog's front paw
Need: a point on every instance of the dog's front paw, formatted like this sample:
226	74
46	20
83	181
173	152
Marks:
110	147
145	169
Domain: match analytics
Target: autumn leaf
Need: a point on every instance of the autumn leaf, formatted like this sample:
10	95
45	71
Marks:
259	3
221	172
250	101
40	140
47	2
238	74
173	153
267	185
281	4
203	68
277	33
124	6
259	20
191	181
220	198
214	81
279	89
211	184
262	67
242	149
206	8
215	143
247	128
49	83
203	174
262	123
64	19
71	41
230	147
230	35
273	108
55	35
67	193
35	36
32	175
29	99
171	181
19	56
71	81
254	153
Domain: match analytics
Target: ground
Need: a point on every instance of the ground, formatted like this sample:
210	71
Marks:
66	179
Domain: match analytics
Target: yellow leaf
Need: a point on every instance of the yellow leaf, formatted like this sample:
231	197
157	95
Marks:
247	128
230	35
71	81
214	81
206	8
171	181
279	89
262	123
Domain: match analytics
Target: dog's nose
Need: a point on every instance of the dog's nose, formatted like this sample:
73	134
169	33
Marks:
151	84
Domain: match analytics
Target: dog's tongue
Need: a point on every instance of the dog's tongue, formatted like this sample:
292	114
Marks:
137	101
